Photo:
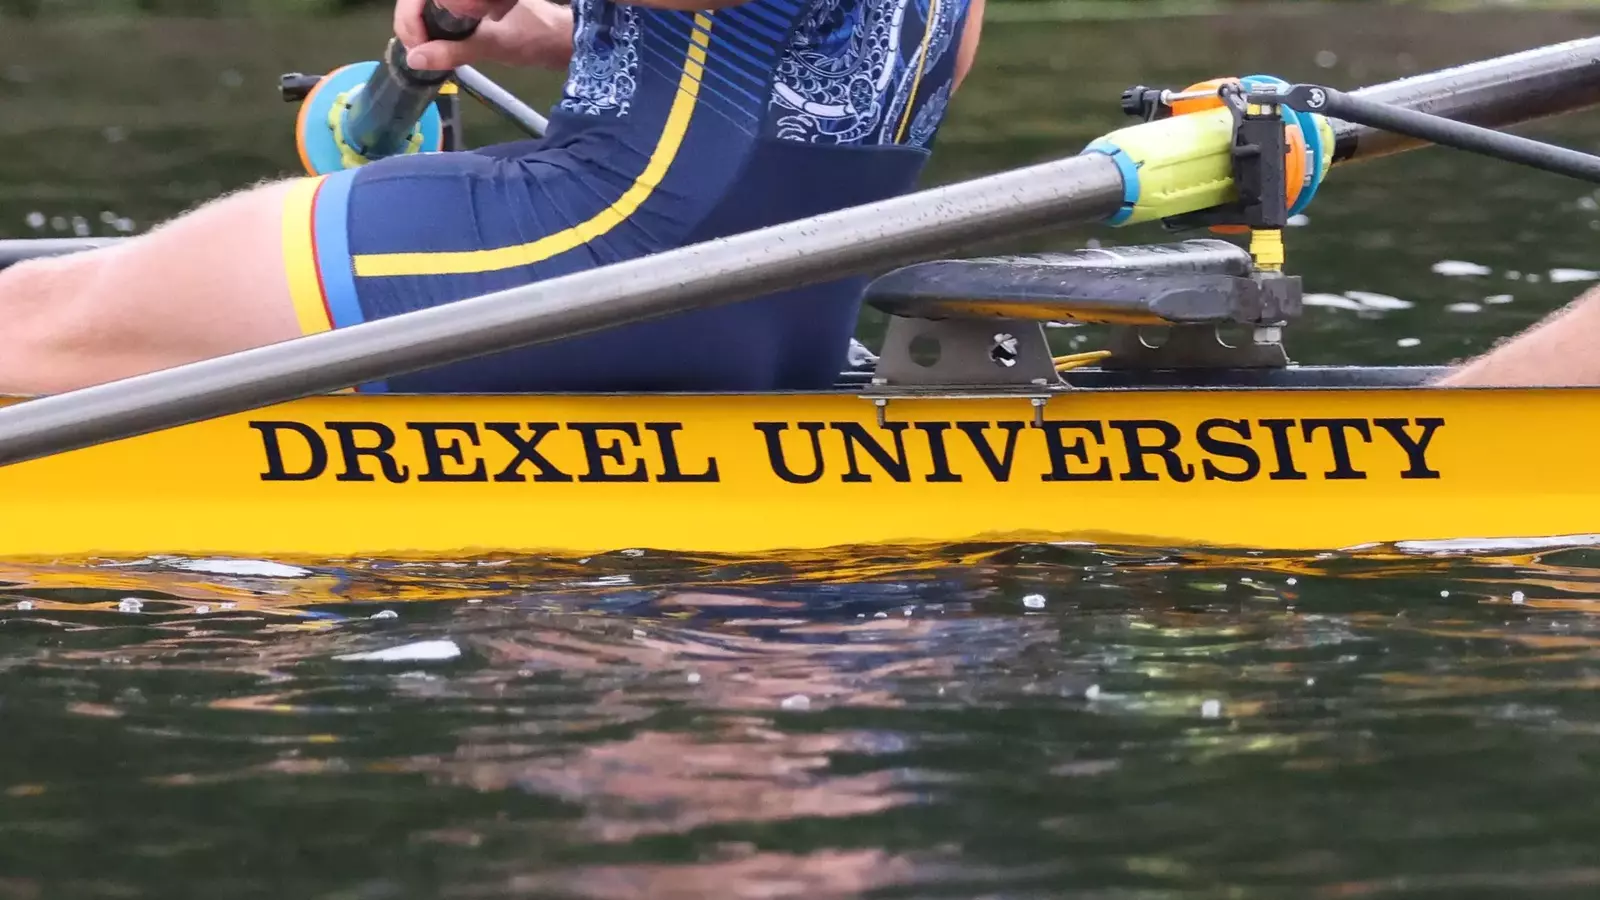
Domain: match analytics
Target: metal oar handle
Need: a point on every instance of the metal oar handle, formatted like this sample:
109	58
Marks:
383	114
444	25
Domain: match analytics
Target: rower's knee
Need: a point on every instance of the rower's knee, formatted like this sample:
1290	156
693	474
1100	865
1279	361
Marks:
208	283
43	323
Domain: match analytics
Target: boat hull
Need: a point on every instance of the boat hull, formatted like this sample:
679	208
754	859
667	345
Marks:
1277	468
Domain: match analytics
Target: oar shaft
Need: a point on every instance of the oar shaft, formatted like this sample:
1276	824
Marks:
1447	132
1495	93
1075	190
501	101
15	251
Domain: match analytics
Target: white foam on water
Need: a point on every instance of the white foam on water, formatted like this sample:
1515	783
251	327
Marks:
1489	545
257	567
1033	601
1358	301
1330	301
1456	268
1378	301
606	581
1463	308
1565	276
1211	709
1499	299
420	651
1408	342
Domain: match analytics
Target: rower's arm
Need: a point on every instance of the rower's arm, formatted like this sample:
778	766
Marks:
970	36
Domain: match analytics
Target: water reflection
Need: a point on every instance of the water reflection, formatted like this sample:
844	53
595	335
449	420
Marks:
993	718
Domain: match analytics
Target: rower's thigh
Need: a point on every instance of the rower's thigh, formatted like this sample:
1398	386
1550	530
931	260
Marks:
205	284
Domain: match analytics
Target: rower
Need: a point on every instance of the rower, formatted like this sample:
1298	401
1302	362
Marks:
680	121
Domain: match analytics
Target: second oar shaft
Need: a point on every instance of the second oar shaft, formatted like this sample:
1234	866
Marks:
1445	132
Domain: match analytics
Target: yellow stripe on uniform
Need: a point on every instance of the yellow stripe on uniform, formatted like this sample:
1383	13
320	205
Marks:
300	257
373	265
922	61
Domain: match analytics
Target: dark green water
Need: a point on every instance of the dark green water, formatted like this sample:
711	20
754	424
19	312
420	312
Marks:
979	722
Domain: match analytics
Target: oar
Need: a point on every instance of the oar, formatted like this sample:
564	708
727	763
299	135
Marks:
502	101
15	251
1077	190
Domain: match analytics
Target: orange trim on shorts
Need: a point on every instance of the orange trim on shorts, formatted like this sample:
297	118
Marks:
300	257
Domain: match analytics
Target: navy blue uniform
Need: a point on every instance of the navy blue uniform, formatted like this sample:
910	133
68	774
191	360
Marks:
673	128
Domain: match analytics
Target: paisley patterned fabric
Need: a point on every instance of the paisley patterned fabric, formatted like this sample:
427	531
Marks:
841	72
853	67
605	58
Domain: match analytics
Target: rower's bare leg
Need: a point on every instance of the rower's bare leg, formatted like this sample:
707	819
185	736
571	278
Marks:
1560	351
205	284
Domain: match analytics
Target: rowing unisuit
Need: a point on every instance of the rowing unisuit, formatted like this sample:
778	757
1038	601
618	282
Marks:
673	127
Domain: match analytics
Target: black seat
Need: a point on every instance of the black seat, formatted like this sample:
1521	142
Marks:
1187	283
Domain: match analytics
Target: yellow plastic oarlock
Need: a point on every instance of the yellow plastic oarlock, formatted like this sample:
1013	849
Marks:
347	153
1266	248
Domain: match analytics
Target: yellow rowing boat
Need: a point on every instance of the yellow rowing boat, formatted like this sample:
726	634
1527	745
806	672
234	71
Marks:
965	429
1290	468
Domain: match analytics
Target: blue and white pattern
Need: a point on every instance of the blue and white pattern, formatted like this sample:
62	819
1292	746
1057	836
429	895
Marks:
853	65
605	58
928	117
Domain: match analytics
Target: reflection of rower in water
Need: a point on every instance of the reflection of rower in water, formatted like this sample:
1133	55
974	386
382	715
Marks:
681	121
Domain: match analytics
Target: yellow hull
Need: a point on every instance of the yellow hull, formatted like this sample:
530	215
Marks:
415	476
